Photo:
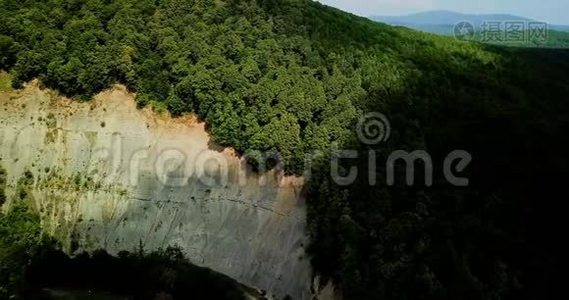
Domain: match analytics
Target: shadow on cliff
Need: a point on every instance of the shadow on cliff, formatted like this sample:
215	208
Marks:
162	274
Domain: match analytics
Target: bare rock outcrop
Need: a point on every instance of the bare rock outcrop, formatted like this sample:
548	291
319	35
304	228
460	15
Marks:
108	175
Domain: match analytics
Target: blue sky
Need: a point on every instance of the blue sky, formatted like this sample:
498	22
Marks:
552	11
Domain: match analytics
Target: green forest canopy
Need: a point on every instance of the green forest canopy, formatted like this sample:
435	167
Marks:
294	76
291	75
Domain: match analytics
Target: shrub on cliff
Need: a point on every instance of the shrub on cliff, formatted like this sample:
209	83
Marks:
2	186
20	237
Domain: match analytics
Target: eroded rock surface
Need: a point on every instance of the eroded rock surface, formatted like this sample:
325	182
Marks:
112	176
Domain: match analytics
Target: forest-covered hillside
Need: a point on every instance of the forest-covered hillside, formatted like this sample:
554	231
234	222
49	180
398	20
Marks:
291	74
294	76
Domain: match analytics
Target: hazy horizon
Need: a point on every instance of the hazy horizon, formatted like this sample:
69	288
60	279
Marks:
551	11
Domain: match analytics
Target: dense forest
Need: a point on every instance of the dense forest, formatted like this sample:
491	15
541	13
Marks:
294	76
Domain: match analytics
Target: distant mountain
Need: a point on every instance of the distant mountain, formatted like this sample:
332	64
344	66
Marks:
444	17
443	21
560	27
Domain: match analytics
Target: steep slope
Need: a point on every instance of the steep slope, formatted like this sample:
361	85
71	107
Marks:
106	175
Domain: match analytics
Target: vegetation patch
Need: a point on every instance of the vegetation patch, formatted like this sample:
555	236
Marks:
20	238
5	82
51	121
158	107
3	181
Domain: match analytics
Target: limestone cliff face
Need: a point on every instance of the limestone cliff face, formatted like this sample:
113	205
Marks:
109	175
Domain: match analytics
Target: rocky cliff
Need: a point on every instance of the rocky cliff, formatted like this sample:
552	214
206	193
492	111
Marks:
104	174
